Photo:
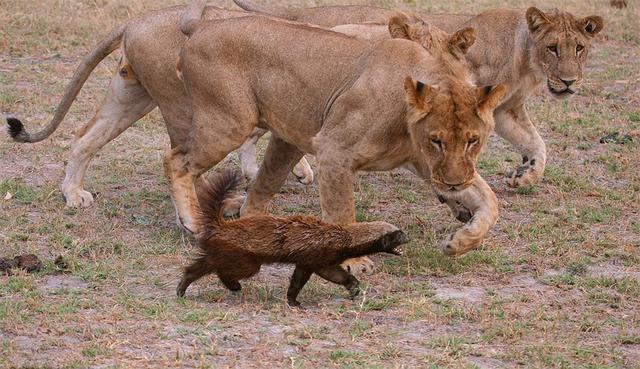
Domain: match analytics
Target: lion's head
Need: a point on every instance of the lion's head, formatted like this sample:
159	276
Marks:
561	46
449	122
448	125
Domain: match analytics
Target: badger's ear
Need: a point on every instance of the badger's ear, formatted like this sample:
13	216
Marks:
592	25
461	41
489	99
536	19
419	97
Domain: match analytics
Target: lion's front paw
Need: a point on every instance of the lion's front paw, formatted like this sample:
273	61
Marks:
78	198
526	174
458	210
362	265
303	171
456	245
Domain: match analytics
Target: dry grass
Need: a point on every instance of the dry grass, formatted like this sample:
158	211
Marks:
556	285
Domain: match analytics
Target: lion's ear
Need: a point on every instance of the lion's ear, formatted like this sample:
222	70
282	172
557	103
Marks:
461	41
400	27
418	96
592	25
536	19
489	99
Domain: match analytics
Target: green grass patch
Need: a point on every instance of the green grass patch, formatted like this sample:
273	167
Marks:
20	191
527	190
453	346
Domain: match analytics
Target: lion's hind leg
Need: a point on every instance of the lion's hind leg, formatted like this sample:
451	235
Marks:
249	163
303	171
279	159
216	132
247	154
126	102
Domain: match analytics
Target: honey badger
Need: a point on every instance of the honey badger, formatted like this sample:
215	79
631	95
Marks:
236	249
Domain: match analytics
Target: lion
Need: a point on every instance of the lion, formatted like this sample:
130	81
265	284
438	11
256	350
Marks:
355	105
524	49
145	79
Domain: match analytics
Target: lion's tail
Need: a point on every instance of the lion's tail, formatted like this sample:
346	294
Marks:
214	192
88	64
275	11
191	16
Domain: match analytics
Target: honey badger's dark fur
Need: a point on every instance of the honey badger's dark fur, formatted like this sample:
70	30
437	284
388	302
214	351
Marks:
236	249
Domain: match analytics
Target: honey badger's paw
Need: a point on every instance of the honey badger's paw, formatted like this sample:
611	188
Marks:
303	171
362	265
77	198
528	173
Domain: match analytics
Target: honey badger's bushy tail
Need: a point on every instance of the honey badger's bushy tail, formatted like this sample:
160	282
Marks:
215	190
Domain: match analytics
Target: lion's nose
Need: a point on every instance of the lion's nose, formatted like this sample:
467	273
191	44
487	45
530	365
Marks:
568	82
454	184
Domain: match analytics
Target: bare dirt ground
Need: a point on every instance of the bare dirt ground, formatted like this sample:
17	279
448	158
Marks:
557	283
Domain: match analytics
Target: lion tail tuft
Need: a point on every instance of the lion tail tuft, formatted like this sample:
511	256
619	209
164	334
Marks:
16	130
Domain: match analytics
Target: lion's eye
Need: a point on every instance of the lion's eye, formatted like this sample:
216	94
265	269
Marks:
437	143
579	48
473	141
553	49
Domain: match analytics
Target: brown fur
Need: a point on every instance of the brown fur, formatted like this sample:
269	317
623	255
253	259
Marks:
236	249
